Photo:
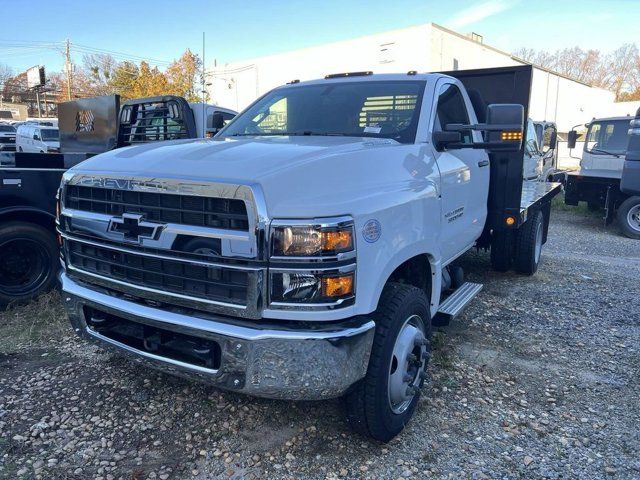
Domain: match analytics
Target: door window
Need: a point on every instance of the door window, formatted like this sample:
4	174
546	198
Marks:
452	109
531	145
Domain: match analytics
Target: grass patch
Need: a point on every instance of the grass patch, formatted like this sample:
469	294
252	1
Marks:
558	205
440	351
32	324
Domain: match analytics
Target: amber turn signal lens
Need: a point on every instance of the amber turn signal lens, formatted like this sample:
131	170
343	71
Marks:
338	240
510	136
337	286
510	221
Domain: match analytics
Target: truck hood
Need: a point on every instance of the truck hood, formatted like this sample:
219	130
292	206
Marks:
309	175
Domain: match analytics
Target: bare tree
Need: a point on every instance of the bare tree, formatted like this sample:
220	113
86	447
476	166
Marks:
618	71
5	74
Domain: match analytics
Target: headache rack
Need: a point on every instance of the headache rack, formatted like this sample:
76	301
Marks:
154	119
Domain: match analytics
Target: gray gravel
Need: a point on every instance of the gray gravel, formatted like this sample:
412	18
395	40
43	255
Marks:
538	379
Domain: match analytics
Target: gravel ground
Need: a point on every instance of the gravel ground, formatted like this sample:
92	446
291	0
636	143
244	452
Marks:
537	379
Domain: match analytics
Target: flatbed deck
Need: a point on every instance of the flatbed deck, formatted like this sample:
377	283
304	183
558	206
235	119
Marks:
536	193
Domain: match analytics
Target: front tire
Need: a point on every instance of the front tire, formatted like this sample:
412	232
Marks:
28	262
381	404
629	217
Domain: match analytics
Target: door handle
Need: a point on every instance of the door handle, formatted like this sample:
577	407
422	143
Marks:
483	163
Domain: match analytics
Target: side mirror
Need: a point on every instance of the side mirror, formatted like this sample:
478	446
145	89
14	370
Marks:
572	137
505	127
553	141
441	140
217	121
503	130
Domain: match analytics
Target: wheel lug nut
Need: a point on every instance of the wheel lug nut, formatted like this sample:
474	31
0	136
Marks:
425	355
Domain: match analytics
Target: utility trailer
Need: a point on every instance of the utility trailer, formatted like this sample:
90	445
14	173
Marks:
29	181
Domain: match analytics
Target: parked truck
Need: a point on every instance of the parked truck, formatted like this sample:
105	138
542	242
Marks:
307	249
29	181
598	180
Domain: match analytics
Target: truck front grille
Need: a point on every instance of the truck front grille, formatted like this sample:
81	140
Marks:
180	277
223	213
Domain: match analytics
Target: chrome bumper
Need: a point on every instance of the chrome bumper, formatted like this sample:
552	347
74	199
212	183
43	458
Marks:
281	363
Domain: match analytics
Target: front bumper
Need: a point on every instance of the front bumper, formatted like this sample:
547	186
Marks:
266	361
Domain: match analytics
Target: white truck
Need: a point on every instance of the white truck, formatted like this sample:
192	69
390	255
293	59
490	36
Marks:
306	250
597	182
545	152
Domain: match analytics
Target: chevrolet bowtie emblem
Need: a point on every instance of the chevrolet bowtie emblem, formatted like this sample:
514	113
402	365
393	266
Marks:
134	228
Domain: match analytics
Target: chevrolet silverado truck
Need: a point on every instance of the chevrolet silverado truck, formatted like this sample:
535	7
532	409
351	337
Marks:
29	262
305	252
599	180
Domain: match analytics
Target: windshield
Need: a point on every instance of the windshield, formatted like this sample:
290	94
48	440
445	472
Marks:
49	134
7	128
384	109
609	136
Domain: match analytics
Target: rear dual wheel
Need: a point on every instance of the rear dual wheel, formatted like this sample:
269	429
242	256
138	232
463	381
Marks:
529	247
381	404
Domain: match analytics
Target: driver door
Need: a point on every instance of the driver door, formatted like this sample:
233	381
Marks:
464	173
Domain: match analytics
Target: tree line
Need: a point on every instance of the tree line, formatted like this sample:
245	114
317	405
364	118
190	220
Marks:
617	71
102	74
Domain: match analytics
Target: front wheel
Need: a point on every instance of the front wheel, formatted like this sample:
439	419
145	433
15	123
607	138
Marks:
629	217
381	404
28	261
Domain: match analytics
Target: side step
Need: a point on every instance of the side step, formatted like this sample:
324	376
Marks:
455	303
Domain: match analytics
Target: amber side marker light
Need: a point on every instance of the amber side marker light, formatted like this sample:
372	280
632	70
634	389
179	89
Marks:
337	286
510	221
510	136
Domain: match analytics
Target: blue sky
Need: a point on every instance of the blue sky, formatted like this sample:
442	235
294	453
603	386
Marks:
162	29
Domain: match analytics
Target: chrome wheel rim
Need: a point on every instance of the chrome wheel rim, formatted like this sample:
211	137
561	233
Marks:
633	218
407	364
538	251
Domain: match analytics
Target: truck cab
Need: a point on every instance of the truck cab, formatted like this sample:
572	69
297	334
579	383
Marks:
605	146
307	249
598	181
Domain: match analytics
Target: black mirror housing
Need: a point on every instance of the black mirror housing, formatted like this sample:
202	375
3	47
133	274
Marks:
505	114
553	141
441	140
217	121
572	137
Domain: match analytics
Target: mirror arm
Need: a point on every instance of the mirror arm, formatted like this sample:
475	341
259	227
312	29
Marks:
479	146
484	127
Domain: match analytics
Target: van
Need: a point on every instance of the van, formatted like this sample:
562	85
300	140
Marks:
36	138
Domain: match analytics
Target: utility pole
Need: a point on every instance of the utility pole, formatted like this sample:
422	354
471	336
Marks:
204	116
68	68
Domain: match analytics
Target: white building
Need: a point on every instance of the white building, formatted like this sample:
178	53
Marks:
425	48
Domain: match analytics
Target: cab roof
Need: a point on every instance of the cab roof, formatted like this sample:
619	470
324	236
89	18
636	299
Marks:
349	77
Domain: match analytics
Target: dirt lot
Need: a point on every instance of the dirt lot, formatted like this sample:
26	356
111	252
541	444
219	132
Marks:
538	379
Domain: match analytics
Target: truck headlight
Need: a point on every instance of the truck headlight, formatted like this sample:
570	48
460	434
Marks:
312	263
311	240
309	287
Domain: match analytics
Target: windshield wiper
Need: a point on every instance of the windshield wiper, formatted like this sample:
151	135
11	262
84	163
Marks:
618	155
